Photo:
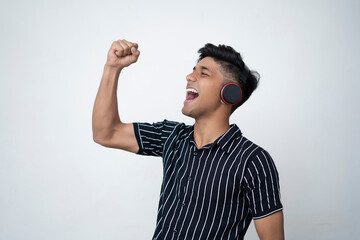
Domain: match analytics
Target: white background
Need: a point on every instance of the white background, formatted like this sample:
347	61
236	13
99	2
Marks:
56	183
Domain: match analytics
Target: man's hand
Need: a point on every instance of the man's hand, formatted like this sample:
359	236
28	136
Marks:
122	54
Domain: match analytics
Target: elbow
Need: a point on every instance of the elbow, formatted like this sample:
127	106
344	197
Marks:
99	138
96	139
101	141
104	138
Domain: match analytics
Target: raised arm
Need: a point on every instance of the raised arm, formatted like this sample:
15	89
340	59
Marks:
108	130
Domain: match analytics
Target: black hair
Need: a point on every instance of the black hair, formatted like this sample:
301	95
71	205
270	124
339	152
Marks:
232	66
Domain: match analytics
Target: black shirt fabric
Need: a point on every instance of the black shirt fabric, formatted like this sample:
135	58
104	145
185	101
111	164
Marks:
213	192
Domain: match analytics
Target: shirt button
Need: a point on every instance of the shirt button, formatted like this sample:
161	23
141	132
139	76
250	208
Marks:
183	204
195	153
189	179
175	231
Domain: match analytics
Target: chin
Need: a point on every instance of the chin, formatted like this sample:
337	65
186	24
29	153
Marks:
187	112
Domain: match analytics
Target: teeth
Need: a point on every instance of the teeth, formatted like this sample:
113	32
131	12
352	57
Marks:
191	90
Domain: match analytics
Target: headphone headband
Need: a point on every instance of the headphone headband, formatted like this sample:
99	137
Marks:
245	73
231	93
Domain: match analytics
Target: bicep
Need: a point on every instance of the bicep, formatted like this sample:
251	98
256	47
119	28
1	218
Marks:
271	227
122	137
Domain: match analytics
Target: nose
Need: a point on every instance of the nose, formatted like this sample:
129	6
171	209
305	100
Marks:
191	77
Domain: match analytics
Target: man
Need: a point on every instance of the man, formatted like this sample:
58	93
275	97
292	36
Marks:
215	180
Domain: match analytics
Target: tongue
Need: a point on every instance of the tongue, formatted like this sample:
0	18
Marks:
192	96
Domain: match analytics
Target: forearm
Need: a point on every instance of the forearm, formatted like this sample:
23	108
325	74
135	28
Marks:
105	112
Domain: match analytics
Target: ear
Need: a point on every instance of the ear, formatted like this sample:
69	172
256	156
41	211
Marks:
231	93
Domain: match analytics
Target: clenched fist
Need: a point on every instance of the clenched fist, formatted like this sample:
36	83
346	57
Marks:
122	54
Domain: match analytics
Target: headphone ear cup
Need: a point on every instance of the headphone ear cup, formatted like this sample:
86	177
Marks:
231	93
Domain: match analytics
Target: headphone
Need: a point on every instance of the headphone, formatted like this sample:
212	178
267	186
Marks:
231	93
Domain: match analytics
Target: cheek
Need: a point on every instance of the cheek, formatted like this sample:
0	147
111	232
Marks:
211	93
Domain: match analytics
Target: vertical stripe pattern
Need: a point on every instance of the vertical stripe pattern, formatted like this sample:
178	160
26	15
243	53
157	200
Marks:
213	192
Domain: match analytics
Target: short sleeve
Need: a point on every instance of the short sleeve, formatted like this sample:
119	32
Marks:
262	189
152	137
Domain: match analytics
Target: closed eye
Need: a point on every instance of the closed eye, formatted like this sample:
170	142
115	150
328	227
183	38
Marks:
202	68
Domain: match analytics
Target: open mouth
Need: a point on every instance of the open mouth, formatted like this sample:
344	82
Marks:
191	95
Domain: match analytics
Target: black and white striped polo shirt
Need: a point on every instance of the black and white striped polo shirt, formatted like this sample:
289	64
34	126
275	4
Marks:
212	192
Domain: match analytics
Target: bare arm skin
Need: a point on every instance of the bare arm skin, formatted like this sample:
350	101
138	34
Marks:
271	227
108	130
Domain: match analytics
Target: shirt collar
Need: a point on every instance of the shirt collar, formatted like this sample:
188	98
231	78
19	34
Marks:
224	141
227	139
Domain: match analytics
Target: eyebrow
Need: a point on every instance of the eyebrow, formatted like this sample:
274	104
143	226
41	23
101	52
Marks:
203	68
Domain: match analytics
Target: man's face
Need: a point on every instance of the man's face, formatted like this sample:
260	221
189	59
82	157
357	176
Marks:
203	89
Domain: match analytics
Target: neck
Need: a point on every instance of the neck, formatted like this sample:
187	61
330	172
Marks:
207	130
